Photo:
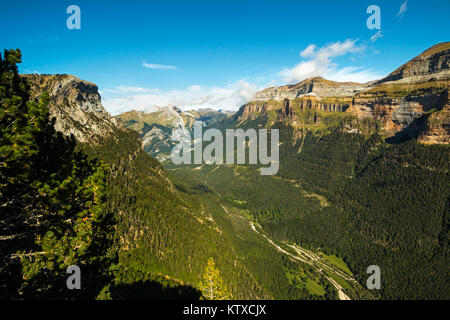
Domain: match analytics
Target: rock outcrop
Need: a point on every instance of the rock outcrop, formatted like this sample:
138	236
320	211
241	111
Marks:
418	89
433	63
396	113
76	105
311	94
316	86
436	128
411	101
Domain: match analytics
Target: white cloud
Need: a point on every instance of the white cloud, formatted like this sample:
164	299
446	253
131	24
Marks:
316	61
309	51
320	63
31	71
229	97
127	89
158	66
353	74
195	87
402	9
376	36
132	89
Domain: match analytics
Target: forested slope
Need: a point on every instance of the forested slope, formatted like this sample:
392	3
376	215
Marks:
356	196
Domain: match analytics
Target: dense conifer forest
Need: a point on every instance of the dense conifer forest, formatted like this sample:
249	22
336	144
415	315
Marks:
141	230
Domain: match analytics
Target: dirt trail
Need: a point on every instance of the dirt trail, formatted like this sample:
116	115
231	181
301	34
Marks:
313	260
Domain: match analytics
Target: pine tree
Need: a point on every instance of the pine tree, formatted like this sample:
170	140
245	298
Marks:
52	197
212	284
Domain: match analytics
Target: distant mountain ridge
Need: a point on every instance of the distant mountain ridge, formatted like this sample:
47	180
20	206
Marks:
348	194
155	125
157	230
433	62
317	86
411	102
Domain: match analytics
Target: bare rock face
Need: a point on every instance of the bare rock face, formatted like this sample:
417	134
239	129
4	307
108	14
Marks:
418	89
317	86
394	114
436	129
315	93
412	100
254	110
287	111
76	105
432	63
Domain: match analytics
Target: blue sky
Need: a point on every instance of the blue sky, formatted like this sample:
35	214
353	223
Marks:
216	53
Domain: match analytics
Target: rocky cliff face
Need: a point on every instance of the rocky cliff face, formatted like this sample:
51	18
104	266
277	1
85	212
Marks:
436	127
395	113
433	63
288	109
311	94
76	105
317	86
412	100
416	90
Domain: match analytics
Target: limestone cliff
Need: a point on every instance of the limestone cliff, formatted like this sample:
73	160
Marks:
76	105
316	86
436	128
411	101
433	63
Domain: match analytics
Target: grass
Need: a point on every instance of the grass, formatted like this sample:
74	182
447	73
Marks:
343	283
437	48
403	90
337	262
314	288
300	279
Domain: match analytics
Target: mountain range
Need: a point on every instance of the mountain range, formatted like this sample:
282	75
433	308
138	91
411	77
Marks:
363	181
411	102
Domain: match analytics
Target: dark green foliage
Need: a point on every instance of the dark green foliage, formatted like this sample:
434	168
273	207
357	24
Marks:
359	198
160	230
389	207
167	231
262	262
135	233
51	198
